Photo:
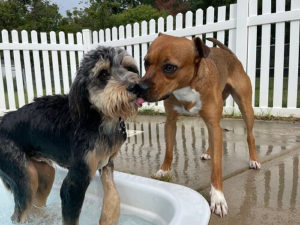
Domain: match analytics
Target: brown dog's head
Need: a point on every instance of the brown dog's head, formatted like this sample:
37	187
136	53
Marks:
171	63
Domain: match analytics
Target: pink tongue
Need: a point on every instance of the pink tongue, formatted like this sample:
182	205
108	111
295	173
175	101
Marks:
140	101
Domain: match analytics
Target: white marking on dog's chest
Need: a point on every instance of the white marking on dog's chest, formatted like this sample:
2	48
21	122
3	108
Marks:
188	95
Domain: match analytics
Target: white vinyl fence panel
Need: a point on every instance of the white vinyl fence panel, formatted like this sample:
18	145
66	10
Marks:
279	60
46	63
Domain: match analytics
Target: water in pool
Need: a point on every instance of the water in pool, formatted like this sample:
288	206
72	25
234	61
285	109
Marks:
51	215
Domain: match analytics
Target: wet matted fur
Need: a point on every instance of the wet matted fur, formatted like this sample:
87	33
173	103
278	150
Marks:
81	131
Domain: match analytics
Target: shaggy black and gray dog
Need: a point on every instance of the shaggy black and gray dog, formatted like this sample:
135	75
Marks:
81	131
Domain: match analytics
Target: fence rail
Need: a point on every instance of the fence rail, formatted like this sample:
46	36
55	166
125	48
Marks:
46	63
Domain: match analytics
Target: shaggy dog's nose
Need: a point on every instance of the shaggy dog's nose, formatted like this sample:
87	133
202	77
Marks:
132	87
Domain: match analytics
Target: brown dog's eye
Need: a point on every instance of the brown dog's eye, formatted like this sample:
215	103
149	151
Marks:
169	68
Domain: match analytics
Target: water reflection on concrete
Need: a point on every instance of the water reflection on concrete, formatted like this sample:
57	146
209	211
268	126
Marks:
143	153
268	196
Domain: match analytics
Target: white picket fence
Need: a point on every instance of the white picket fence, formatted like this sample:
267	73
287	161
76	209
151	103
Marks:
36	66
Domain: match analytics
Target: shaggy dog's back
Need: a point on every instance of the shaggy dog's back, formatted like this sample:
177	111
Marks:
41	127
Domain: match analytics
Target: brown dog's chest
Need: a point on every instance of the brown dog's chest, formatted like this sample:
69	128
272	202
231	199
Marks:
189	99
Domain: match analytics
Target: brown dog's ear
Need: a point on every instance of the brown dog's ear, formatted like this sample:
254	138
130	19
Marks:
160	34
203	50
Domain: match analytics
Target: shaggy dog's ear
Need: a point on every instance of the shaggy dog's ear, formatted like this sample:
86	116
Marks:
78	102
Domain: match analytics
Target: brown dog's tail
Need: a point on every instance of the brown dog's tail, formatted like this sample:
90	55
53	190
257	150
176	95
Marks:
220	44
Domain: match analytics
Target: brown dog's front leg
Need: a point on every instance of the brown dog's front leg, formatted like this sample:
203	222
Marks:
111	202
170	133
218	203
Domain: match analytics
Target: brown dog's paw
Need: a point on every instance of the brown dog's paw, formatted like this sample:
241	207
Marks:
254	165
164	175
205	156
218	204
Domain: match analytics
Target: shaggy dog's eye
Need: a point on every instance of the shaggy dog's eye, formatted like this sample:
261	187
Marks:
169	68
132	69
104	75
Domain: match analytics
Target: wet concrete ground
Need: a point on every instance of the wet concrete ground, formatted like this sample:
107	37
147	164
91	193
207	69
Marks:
268	196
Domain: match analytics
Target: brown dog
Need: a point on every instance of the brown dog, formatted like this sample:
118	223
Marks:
195	80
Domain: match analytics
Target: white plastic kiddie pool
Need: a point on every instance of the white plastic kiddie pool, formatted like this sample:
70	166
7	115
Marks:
144	201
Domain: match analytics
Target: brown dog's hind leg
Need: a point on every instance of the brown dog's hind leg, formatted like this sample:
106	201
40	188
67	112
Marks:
46	175
206	155
111	202
225	94
242	95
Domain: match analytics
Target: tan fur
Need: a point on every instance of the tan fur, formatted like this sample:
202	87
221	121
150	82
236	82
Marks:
111	202
118	101
99	157
93	159
46	175
41	176
128	61
100	66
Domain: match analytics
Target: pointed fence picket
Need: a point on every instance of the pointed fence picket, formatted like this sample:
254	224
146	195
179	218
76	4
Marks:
8	72
136	47
46	65
199	20
210	20
252	50
36	66
128	36
294	58
189	22
265	61
2	94
72	57
55	66
121	35
279	60
64	64
79	42
231	45
18	70
144	45
27	65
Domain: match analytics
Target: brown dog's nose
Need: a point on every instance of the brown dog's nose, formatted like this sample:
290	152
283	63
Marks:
143	87
140	89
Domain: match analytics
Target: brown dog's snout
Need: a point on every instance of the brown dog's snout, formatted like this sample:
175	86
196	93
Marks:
140	89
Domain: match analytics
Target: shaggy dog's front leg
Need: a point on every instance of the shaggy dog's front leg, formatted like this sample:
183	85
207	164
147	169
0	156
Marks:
111	202
72	192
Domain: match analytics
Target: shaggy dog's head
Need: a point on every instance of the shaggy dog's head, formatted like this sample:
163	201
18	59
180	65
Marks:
102	82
